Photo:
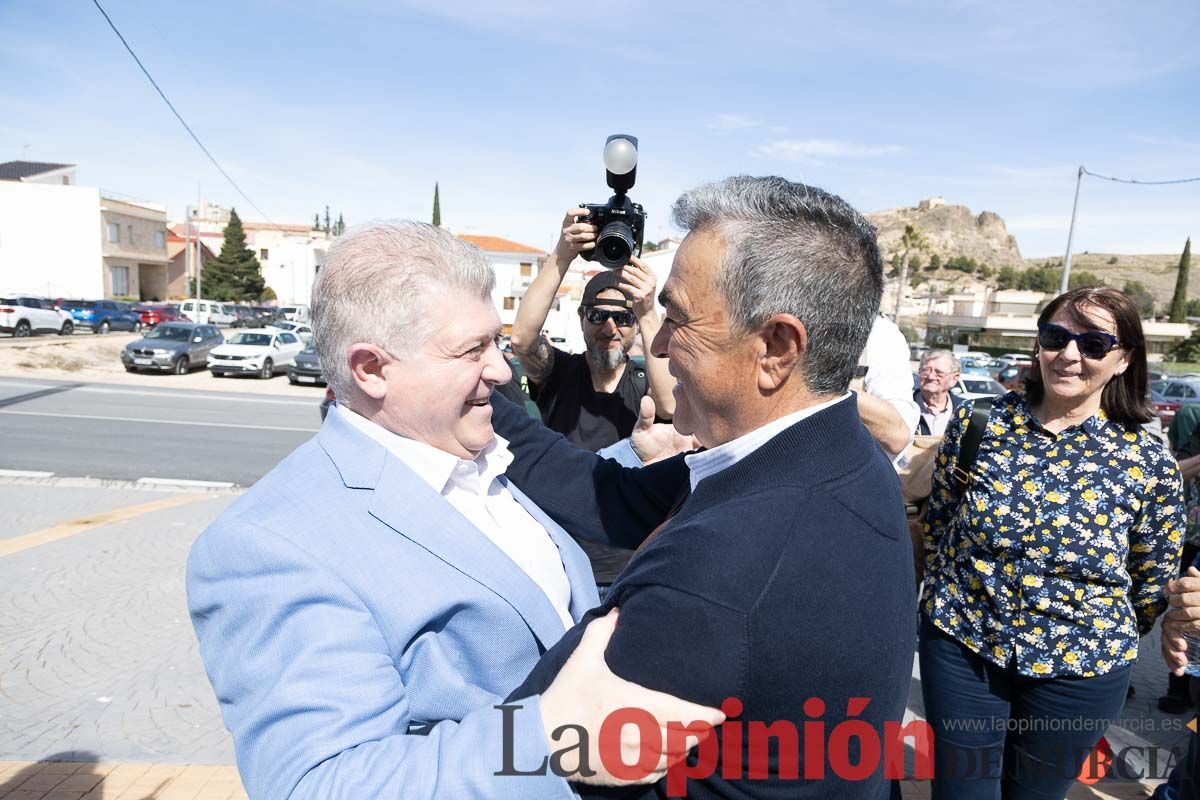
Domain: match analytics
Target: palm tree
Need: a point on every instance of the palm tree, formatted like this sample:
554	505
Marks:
910	243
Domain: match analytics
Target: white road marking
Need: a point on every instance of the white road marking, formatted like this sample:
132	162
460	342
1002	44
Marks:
135	420
185	482
24	473
170	393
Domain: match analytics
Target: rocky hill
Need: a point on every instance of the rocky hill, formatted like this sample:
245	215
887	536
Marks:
950	231
1157	272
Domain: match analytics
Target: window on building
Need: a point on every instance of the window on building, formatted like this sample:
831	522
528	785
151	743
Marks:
120	281
114	232
526	269
160	239
510	303
262	254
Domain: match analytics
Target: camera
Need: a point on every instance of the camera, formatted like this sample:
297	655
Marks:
622	222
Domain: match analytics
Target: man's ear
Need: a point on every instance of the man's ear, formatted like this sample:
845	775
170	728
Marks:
366	367
784	342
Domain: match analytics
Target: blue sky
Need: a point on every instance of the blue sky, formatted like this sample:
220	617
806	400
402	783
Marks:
363	104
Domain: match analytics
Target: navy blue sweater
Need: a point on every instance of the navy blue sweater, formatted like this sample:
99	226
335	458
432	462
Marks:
785	577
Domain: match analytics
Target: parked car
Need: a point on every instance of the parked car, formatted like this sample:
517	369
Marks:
1017	358
205	312
172	347
266	314
244	317
25	316
972	387
307	367
303	331
154	313
294	313
1165	409
1013	378
102	316
259	352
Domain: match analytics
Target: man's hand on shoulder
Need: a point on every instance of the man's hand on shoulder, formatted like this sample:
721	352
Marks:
585	692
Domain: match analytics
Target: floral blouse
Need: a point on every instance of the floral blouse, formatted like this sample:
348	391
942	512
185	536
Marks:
1058	553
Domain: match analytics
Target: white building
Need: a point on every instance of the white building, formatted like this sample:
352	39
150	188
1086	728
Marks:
38	172
289	255
50	240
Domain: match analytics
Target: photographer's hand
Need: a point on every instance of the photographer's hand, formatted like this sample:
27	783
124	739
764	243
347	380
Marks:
639	282
576	237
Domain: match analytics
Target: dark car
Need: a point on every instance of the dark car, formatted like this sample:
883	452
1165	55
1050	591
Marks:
102	316
307	367
244	317
1013	378
267	314
154	313
172	347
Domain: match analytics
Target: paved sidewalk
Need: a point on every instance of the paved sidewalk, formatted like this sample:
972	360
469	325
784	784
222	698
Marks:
100	780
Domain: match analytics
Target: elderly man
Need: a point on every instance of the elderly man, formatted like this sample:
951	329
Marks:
363	608
783	577
938	374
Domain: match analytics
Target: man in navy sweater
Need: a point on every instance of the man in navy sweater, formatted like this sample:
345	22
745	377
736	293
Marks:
774	565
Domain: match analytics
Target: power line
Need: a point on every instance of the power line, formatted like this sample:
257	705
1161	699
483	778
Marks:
1130	180
182	121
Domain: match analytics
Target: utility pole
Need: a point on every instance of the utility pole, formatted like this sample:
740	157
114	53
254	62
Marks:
1066	273
187	247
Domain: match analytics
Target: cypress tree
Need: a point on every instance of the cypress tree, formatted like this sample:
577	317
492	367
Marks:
235	274
316	222
437	207
1179	301
341	225
327	219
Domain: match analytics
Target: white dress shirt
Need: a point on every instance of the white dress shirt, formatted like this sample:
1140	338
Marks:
710	462
889	375
475	490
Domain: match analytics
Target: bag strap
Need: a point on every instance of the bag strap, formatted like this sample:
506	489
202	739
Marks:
968	449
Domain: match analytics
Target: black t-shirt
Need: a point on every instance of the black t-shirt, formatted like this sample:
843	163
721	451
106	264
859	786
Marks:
588	418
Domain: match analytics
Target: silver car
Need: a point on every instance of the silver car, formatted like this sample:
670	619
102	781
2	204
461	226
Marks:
172	347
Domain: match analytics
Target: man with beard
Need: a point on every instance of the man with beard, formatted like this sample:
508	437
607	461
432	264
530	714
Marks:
593	398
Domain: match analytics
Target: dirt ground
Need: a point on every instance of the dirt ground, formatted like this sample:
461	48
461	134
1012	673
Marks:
95	358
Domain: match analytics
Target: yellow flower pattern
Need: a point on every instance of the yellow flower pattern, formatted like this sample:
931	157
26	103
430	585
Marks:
1093	519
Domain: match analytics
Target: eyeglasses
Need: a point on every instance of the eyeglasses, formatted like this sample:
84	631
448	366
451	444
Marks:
599	316
1092	344
935	373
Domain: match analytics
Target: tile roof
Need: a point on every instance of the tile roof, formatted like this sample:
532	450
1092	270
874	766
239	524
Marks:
15	170
495	244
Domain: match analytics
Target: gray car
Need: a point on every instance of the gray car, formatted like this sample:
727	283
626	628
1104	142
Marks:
172	347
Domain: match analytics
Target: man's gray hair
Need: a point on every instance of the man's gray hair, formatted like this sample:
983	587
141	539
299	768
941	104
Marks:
377	284
930	355
794	249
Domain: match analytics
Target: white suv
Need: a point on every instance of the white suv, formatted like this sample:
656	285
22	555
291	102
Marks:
24	316
205	312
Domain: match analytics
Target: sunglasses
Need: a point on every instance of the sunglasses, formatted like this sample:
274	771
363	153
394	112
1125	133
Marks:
1091	344
599	316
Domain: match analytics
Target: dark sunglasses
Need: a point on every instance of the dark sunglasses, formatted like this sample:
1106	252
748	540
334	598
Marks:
599	316
1091	344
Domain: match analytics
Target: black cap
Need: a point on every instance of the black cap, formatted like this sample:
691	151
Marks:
609	279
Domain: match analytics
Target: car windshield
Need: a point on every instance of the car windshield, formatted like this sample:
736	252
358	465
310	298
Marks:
171	333
79	303
310	350
9	301
256	339
285	326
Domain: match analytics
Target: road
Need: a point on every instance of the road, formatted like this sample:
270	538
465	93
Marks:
130	433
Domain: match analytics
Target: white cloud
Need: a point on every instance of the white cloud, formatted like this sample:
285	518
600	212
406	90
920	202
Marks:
809	149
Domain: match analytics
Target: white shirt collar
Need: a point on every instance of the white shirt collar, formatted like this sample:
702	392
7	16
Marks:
709	462
437	467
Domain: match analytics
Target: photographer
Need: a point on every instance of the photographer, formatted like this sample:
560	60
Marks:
593	398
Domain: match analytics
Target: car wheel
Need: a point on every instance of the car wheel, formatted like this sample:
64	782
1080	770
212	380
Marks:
22	329
67	329
216	374
292	380
104	327
268	369
182	365
130	369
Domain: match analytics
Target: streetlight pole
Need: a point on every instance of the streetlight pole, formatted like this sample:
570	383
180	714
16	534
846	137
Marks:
1066	273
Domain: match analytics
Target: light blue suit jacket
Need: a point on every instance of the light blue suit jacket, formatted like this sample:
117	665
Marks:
344	607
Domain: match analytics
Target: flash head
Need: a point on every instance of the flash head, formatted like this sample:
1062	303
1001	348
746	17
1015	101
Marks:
620	161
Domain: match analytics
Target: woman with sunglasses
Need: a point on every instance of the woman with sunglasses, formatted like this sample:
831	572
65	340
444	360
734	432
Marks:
1042	575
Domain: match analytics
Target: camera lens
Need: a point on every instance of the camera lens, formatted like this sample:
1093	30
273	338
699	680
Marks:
615	245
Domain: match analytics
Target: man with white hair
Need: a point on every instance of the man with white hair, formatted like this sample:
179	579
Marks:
938	374
364	607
